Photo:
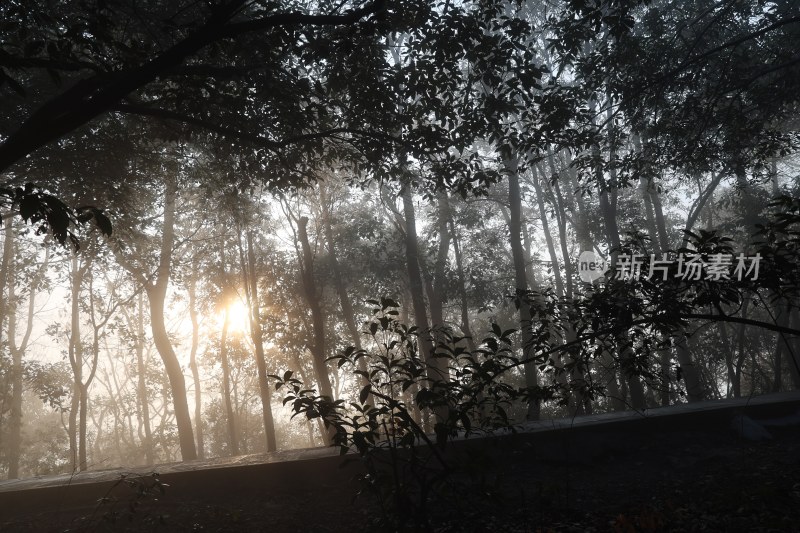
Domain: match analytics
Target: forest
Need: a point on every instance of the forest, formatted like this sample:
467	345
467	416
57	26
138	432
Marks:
239	226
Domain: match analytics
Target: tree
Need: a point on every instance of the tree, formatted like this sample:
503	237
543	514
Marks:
312	299
109	70
155	286
256	334
521	285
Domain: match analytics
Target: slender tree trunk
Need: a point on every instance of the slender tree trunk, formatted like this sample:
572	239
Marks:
730	352
691	376
317	318
141	388
438	295
740	342
75	353
198	393
5	265
521	281
782	345
258	342
794	351
415	283
15	416
663	352
233	438
580	369
561	376
95	354
437	369
84	405
581	211
548	237
156	295
607	201
348	314
466	329
561	219
607	366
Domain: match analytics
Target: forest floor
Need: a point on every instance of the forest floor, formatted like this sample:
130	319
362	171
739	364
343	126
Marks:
681	481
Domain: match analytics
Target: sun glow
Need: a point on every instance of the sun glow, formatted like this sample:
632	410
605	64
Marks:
237	316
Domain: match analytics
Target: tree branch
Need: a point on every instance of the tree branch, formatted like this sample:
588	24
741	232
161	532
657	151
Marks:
91	97
233	133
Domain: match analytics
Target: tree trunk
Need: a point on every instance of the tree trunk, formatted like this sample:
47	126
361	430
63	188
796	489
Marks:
794	351
341	289
439	284
198	393
515	229
156	295
466	329
75	353
783	319
415	283
317	318
233	438
4	276
730	353
437	369
258	342
580	369
558	360
561	220
97	327
141	388
10	307
5	268
657	249
608	211
548	237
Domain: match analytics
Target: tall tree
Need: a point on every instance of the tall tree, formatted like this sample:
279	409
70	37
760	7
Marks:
254	308
156	286
511	164
312	298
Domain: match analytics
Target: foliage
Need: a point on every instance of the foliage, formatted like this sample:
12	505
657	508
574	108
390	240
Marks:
406	468
682	97
50	214
405	454
50	382
128	499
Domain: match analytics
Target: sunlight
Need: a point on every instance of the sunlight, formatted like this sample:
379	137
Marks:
238	316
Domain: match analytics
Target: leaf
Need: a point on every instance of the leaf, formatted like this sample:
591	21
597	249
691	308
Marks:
86	213
465	421
365	392
29	206
103	222
388	302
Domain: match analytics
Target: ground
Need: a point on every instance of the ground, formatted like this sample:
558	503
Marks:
678	481
687	467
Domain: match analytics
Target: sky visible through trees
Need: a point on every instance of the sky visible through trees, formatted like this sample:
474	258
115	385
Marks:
202	199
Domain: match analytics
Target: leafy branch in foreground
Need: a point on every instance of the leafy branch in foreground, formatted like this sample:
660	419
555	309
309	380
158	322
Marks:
408	466
50	214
